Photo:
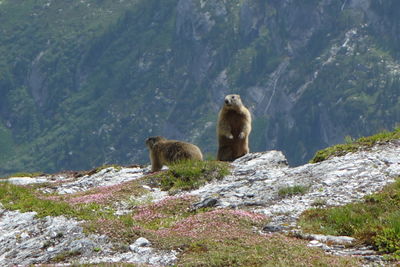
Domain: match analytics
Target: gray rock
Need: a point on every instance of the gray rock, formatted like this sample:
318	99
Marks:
336	181
336	240
142	242
206	203
24	180
254	184
273	228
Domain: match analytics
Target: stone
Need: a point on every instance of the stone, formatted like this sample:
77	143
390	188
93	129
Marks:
340	240
273	228
24	235
314	243
24	180
206	203
142	242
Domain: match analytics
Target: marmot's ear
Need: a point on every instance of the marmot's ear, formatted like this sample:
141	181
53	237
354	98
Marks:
150	141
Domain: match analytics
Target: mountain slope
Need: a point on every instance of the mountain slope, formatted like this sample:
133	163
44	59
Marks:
85	82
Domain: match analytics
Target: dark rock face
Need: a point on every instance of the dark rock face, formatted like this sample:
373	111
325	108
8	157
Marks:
96	83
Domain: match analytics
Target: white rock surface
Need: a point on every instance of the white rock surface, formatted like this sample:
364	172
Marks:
24	180
106	177
27	240
257	178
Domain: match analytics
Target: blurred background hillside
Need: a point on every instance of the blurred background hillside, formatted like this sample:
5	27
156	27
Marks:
84	83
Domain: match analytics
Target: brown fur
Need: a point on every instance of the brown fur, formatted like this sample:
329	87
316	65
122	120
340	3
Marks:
233	129
163	151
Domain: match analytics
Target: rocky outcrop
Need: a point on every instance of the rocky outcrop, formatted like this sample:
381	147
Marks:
28	240
254	184
258	177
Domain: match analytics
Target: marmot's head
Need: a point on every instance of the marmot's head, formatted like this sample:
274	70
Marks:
232	101
151	141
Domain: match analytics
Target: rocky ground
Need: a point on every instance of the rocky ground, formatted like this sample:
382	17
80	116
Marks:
254	185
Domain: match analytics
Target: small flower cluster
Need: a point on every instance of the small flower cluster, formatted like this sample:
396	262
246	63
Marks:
97	195
256	217
97	198
163	208
147	215
219	224
172	201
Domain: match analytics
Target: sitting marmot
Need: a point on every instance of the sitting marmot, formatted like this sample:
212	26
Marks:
163	151
233	129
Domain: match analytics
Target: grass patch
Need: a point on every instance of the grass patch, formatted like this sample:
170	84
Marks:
65	255
293	190
221	237
26	199
106	195
352	146
375	221
255	250
99	169
119	264
188	175
26	174
149	217
205	237
318	202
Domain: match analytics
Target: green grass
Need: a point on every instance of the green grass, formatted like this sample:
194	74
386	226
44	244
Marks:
119	264
204	237
188	175
26	199
375	221
265	251
293	190
26	174
352	146
63	256
221	237
99	169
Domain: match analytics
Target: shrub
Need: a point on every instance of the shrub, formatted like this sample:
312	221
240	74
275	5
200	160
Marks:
188	175
293	190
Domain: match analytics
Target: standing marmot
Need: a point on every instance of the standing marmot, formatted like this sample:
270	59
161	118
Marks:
233	129
163	151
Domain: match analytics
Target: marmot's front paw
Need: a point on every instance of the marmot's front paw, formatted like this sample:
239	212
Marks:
241	135
229	136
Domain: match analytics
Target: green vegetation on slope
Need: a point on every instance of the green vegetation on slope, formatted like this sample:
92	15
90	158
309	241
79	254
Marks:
204	237
188	175
84	83
293	190
375	221
27	199
361	143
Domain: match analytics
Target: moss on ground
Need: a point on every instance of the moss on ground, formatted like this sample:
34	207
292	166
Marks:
361	143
